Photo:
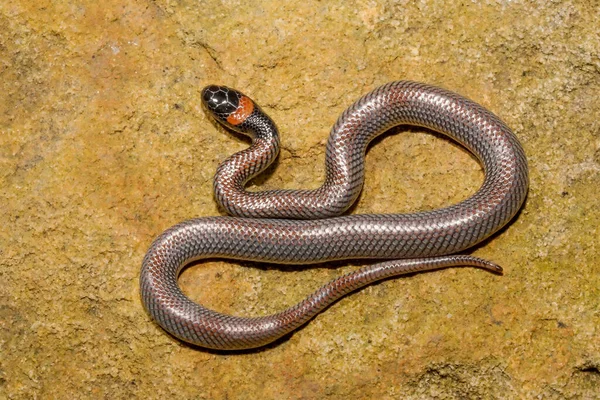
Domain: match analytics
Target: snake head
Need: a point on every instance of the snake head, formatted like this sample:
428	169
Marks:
228	106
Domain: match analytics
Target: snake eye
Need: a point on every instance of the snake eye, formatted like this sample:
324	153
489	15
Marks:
228	106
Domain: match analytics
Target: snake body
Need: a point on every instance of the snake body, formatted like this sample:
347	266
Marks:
302	226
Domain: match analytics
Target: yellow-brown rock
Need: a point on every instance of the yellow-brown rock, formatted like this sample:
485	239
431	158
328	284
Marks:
103	145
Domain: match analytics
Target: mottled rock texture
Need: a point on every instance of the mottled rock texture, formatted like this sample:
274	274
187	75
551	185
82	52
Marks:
103	145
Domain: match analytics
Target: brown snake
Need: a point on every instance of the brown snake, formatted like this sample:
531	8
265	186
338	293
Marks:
422	241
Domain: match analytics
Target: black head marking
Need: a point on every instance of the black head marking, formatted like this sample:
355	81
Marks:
221	101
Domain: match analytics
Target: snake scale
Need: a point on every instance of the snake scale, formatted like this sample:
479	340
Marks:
304	226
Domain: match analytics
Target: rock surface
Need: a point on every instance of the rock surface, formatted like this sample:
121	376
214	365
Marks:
103	145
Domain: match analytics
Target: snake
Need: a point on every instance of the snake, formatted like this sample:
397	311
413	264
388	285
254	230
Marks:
309	226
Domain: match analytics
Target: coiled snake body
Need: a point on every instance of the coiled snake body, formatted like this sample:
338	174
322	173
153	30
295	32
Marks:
268	226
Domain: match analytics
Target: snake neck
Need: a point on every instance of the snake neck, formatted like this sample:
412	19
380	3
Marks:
233	174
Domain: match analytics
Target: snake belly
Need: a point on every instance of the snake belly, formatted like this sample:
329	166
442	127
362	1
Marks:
417	241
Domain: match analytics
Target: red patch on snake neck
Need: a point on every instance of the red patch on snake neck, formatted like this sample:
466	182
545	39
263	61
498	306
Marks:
243	111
